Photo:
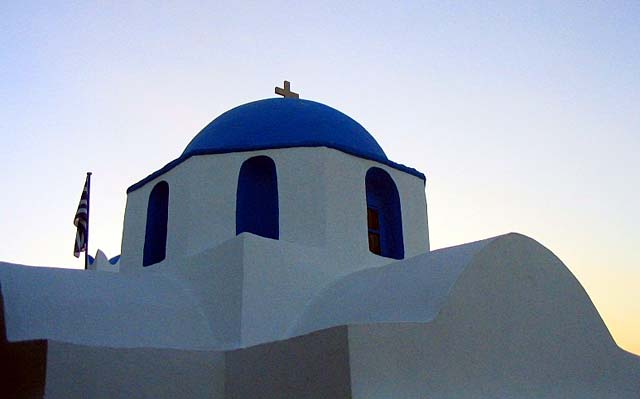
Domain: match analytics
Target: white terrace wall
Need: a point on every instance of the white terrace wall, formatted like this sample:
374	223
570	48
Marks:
322	203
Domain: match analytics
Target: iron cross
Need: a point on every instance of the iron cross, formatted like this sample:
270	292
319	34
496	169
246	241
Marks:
286	92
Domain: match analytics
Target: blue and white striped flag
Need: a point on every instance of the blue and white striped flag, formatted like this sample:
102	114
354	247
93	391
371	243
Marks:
81	221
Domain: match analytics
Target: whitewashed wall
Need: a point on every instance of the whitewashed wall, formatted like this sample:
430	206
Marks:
322	204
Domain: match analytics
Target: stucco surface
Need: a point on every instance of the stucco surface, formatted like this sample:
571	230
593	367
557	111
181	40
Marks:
502	317
322	203
311	366
413	289
100	308
76	371
515	324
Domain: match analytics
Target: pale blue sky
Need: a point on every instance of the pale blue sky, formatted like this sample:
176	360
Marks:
524	116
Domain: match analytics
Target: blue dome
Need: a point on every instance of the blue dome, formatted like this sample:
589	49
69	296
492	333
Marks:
283	123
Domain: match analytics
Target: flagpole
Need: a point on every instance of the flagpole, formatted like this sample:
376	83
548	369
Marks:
86	251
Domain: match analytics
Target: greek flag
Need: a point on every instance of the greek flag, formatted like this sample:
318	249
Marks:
81	221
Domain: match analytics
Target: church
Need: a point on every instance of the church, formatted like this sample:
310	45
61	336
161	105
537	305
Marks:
283	255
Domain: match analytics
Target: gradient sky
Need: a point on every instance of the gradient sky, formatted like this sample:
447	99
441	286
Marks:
524	116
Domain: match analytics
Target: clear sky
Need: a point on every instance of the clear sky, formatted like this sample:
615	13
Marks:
524	116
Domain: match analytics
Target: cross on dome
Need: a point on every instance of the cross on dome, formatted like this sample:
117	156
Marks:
286	92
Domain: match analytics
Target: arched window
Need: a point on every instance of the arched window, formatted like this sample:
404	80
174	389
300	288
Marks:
155	240
384	217
257	198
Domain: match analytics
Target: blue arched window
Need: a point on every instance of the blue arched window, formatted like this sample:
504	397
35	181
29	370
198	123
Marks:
155	240
384	217
257	198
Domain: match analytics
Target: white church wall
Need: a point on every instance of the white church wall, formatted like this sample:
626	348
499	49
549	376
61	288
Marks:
135	220
314	366
202	203
415	222
89	307
516	324
252	289
133	229
184	214
347	210
346	213
413	289
208	205
322	203
211	205
75	371
215	278
302	185
279	278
